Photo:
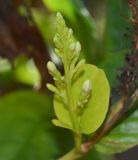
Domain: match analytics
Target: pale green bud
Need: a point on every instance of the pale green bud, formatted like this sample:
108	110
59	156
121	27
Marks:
87	87
85	94
78	47
52	88
53	70
59	16
75	48
56	38
51	67
60	19
70	32
72	47
58	52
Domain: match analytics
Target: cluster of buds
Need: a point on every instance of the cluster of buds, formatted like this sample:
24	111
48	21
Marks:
57	77
53	71
85	94
74	49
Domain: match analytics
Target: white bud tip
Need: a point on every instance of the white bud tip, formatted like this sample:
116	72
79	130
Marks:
47	85
78	47
72	46
87	87
70	32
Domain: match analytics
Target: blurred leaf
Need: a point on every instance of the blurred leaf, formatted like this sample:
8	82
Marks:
5	65
121	138
117	45
45	23
66	6
95	110
25	132
94	155
26	72
6	74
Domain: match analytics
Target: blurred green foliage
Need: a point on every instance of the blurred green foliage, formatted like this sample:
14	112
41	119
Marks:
122	137
25	128
26	131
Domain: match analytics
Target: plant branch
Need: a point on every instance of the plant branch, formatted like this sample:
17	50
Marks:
116	116
72	108
111	122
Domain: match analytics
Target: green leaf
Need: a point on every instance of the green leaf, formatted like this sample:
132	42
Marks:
24	127
116	44
60	124
95	111
65	6
121	138
26	72
45	23
94	155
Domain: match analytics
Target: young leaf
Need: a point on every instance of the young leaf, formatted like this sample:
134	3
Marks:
94	112
61	124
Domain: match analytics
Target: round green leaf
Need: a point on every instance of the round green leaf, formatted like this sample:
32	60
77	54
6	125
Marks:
95	111
24	127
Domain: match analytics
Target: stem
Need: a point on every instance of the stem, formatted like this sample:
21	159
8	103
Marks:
77	139
72	155
72	108
112	121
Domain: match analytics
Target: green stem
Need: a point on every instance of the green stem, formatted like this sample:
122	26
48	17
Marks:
72	155
77	139
72	107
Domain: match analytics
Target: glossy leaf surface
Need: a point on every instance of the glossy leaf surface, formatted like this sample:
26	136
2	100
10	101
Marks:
122	138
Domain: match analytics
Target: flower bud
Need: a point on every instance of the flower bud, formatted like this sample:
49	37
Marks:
53	70
51	67
70	32
87	87
78	47
59	18
57	51
57	39
85	94
58	15
52	88
72	47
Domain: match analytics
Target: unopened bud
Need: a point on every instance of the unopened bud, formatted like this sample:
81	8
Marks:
53	70
56	38
58	52
59	16
87	87
70	32
72	47
52	88
78	47
85	94
51	67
